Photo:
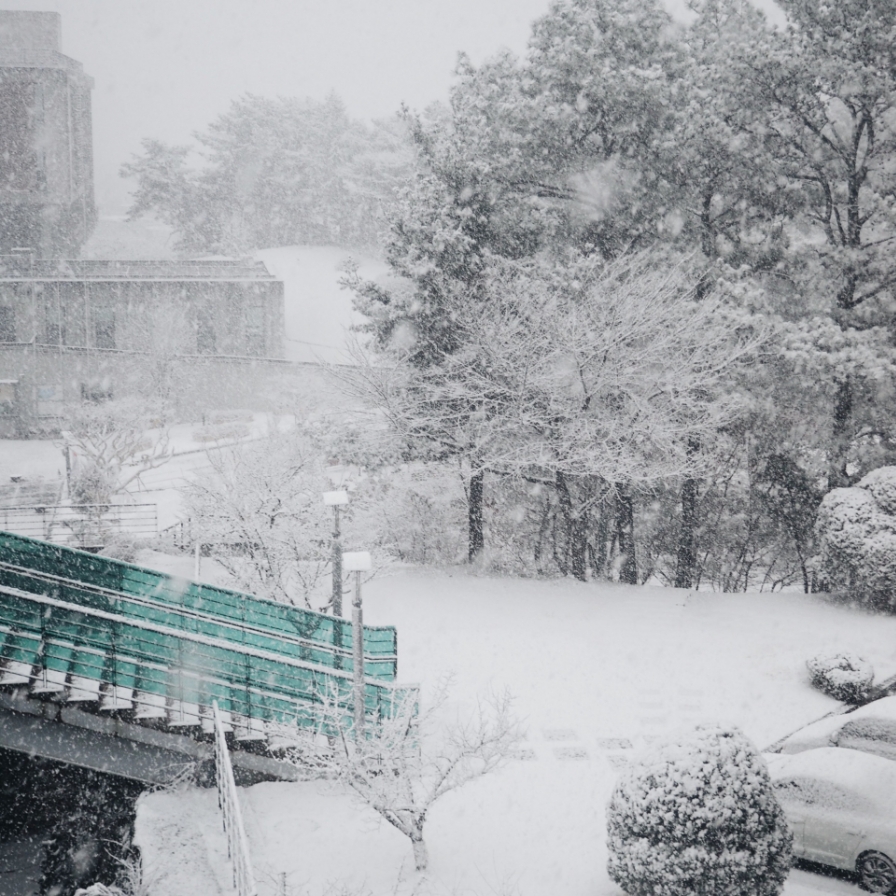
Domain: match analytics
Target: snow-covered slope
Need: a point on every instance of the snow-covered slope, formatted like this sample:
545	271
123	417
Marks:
598	671
318	311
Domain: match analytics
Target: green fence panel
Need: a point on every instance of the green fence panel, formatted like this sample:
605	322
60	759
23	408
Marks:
21	647
188	667
327	640
187	621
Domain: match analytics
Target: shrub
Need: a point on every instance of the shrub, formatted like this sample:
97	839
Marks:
843	676
698	817
857	533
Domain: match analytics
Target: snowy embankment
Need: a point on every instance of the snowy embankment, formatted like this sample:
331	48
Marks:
597	671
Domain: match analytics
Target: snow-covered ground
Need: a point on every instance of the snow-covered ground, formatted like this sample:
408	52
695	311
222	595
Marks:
597	670
188	443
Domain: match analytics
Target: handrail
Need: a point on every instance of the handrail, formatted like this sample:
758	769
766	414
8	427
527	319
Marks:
228	802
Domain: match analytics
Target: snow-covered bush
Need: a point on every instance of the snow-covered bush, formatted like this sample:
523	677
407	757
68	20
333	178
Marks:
857	533
843	675
416	512
698	815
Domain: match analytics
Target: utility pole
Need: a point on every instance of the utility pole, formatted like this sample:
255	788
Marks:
336	500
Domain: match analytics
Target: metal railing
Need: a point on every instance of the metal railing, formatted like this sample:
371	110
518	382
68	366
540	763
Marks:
237	844
87	525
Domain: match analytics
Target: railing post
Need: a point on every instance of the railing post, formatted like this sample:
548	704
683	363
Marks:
237	844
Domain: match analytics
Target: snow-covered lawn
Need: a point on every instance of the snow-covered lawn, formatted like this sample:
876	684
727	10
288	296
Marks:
598	671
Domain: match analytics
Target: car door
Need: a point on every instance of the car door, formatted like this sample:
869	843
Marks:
835	820
793	801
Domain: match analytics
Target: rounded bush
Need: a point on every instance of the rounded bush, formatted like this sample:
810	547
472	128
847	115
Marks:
698	817
857	536
843	676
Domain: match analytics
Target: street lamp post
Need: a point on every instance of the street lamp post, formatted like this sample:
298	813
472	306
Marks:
336	500
357	562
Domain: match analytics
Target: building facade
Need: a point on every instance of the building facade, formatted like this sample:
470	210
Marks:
46	151
206	332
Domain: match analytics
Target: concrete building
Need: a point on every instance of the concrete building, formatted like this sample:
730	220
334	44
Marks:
46	151
199	334
202	333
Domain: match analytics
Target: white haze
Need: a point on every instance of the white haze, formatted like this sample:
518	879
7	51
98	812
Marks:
166	68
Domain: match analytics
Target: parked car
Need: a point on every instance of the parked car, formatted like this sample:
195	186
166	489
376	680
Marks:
840	807
870	728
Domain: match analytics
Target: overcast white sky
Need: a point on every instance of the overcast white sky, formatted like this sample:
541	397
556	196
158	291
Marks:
164	68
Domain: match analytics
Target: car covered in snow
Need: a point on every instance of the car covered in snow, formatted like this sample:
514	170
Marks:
870	728
840	807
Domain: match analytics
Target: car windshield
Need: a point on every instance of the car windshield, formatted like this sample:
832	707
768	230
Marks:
883	730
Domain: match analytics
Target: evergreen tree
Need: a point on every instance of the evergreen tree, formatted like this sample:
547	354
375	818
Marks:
275	172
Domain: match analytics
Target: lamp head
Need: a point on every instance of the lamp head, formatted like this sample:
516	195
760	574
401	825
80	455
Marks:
356	561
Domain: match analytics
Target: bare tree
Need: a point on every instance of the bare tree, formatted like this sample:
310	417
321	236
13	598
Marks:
407	761
259	511
110	444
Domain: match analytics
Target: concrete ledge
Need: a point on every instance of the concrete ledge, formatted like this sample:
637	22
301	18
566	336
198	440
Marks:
113	746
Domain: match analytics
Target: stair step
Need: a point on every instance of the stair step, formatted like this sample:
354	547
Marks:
150	706
19	657
48	681
208	720
117	698
15	673
184	715
82	690
248	730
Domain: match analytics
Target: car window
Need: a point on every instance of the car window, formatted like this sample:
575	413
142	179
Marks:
871	729
819	794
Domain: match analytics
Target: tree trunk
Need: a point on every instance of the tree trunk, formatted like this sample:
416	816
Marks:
421	858
474	515
576	541
843	408
602	538
625	529
687	534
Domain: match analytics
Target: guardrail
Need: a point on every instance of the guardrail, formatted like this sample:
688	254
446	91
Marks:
228	801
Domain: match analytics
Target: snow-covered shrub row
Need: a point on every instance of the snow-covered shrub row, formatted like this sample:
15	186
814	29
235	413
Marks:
698	815
843	675
857	532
